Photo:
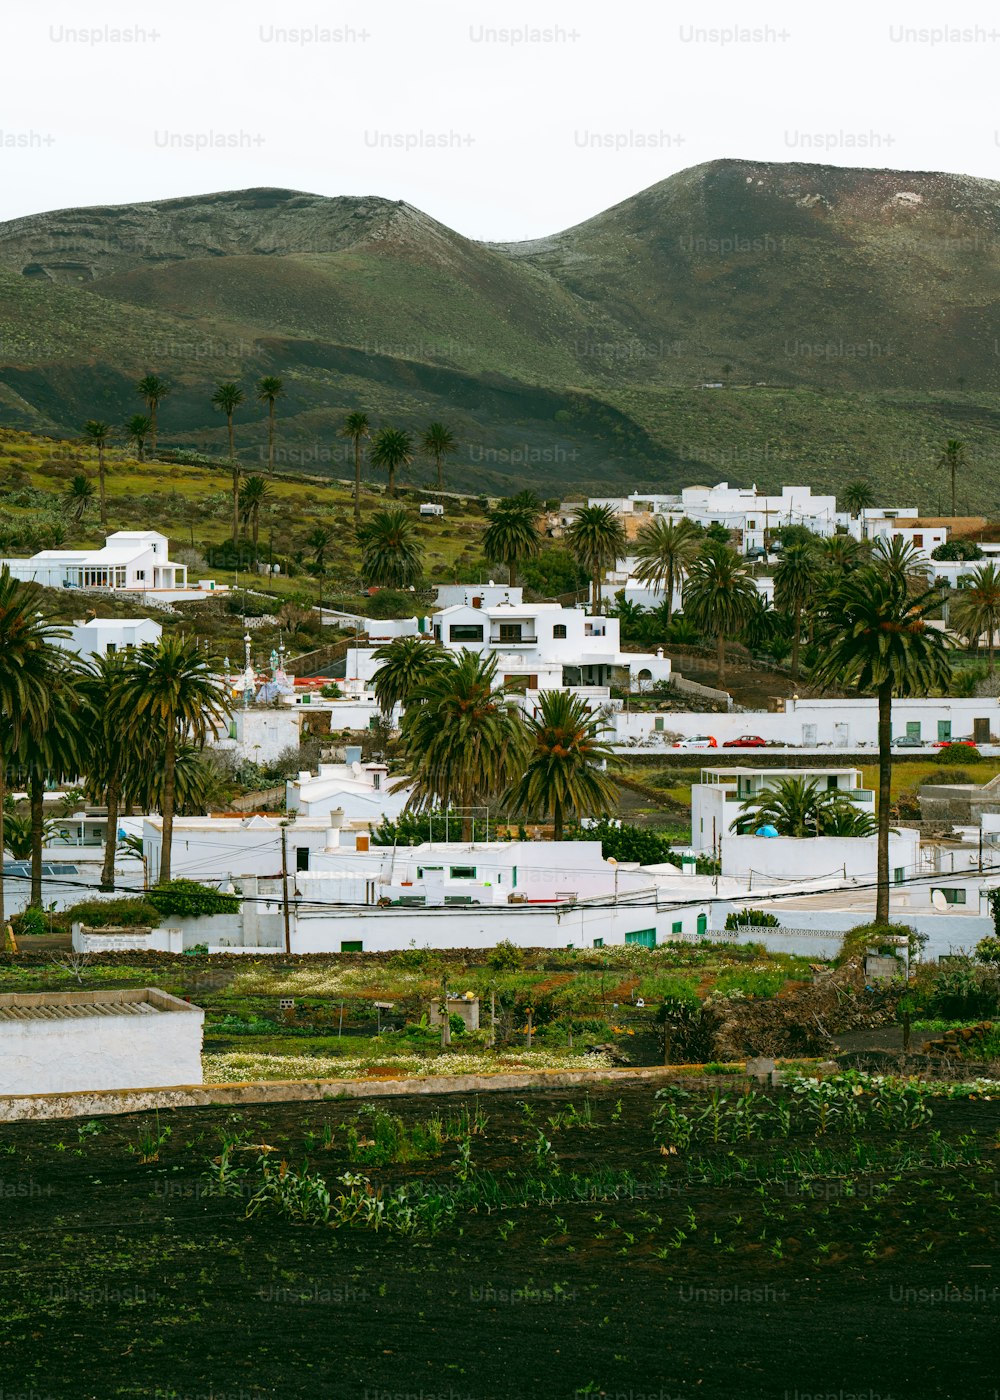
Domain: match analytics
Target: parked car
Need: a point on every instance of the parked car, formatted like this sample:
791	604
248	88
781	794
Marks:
954	743
700	741
907	741
745	741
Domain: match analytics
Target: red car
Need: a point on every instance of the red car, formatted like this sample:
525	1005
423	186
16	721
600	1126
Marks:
955	743
745	741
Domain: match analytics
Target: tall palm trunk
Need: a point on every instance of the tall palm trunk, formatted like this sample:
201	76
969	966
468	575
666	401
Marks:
270	438
36	798
796	637
111	838
595	591
557	822
100	473
670	594
437	459
152	428
357	481
954	512
392	481
236	503
884	797
169	762
511	573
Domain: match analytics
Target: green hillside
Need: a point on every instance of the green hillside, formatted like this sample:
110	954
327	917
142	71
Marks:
851	316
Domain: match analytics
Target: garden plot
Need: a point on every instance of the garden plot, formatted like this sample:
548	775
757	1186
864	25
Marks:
557	1242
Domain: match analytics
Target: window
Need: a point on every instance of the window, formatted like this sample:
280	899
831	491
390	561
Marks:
377	781
301	857
352	945
831	781
598	942
913	729
956	896
422	868
112	648
677	928
645	937
465	632
510	631
141	575
463	872
658	724
559	635
898	874
918	541
944	728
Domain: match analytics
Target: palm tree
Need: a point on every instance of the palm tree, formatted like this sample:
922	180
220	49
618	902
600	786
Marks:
840	554
796	580
800	807
596	538
857	497
137	429
953	459
392	449
79	494
154	390
173	690
98	434
438	442
563	772
29	659
719	596
463	740
511	536
17	835
356	427
898	556
53	746
976	609
115	754
253	494
664	550
390	554
404	664
872	634
319	540
269	390
227	399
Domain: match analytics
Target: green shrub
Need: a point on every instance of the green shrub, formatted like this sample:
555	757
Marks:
623	842
988	949
113	913
751	918
961	753
28	923
187	899
506	956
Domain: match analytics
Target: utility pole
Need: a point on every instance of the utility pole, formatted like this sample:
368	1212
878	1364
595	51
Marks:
493	1016
284	886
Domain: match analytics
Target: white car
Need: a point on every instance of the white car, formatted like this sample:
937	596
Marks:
700	741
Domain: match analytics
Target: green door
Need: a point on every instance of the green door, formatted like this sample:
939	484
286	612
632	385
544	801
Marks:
944	728
702	924
646	937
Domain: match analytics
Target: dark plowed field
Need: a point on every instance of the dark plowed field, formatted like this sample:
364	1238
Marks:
610	1262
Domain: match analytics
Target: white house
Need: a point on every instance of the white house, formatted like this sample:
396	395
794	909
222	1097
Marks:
74	1041
219	849
768	859
103	636
822	724
261	735
131	560
360	792
717	800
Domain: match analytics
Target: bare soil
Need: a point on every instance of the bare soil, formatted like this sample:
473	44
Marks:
119	1279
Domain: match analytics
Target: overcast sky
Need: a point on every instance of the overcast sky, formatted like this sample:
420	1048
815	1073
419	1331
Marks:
503	121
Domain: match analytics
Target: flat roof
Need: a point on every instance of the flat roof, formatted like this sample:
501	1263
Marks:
72	1006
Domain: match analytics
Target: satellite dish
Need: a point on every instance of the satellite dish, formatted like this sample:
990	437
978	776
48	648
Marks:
939	901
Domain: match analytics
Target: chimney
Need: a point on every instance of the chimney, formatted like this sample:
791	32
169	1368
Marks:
332	839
